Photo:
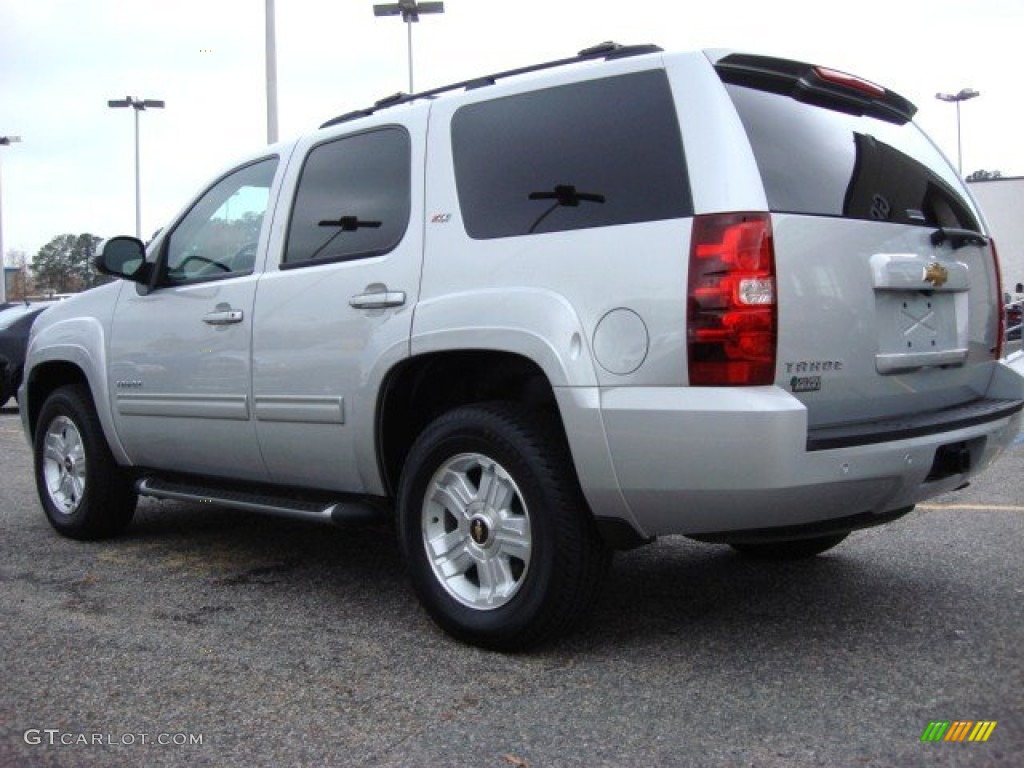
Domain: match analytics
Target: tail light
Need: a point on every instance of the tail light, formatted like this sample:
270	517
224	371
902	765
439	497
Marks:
1000	304
844	80
731	310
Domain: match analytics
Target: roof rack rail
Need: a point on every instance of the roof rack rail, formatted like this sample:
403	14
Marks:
607	50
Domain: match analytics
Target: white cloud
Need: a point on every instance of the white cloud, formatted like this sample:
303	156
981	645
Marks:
61	61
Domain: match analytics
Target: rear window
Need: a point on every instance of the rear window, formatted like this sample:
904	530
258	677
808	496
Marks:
591	154
815	160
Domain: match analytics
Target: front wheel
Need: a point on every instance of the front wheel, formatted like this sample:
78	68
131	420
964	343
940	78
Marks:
498	541
84	493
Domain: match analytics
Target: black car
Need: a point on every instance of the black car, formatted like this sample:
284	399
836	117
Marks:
1015	314
15	322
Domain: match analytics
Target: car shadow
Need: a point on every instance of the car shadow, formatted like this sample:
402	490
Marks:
674	590
680	590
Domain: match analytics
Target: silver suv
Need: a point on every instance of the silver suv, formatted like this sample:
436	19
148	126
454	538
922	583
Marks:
544	314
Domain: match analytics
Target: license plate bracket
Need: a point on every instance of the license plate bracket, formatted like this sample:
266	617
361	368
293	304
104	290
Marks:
918	329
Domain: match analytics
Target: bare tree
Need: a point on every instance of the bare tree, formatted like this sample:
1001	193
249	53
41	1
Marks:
19	285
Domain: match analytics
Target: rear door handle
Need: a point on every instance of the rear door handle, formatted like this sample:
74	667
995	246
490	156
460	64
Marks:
378	300
223	317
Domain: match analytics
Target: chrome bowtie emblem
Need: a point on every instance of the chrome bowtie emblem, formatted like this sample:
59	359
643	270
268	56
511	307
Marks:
478	530
936	274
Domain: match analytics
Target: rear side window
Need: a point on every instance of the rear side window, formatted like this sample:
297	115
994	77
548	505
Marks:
822	161
352	200
591	154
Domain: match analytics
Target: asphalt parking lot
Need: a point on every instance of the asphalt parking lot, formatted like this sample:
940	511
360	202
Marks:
223	639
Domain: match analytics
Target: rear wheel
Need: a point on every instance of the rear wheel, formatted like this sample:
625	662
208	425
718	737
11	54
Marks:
499	543
795	549
84	493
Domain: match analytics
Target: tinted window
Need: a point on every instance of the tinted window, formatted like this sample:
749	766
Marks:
352	199
219	235
821	161
591	154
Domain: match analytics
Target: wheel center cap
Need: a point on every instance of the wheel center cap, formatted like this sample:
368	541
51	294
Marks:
480	531
69	464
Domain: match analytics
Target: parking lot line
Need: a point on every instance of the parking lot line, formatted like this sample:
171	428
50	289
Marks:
974	507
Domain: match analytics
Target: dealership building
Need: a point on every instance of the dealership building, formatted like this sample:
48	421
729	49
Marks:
1002	203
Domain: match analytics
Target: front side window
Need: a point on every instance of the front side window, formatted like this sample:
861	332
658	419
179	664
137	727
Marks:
219	236
353	199
592	154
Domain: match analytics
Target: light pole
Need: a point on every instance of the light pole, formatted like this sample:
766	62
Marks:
138	105
4	142
271	74
410	11
963	95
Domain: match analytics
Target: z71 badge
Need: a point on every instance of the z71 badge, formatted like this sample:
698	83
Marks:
805	383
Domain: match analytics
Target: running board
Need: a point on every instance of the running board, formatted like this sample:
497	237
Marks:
329	511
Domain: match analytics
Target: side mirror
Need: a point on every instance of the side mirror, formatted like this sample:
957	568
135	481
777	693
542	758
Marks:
1020	288
123	257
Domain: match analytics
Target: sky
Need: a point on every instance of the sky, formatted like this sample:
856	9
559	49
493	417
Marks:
62	60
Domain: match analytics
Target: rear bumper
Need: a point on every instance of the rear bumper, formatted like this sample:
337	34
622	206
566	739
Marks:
702	461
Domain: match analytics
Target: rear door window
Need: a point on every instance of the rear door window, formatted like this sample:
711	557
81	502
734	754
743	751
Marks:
590	154
822	161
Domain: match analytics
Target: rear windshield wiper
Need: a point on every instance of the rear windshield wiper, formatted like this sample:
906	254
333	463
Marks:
958	238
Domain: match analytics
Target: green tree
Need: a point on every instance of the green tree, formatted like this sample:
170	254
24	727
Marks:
64	265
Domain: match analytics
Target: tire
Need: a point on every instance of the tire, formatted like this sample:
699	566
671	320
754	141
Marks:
6	393
498	541
796	549
84	493
15	385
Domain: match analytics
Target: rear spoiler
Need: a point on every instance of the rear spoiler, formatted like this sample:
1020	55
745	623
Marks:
815	85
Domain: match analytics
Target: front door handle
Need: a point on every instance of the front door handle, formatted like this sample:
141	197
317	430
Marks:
223	317
378	300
